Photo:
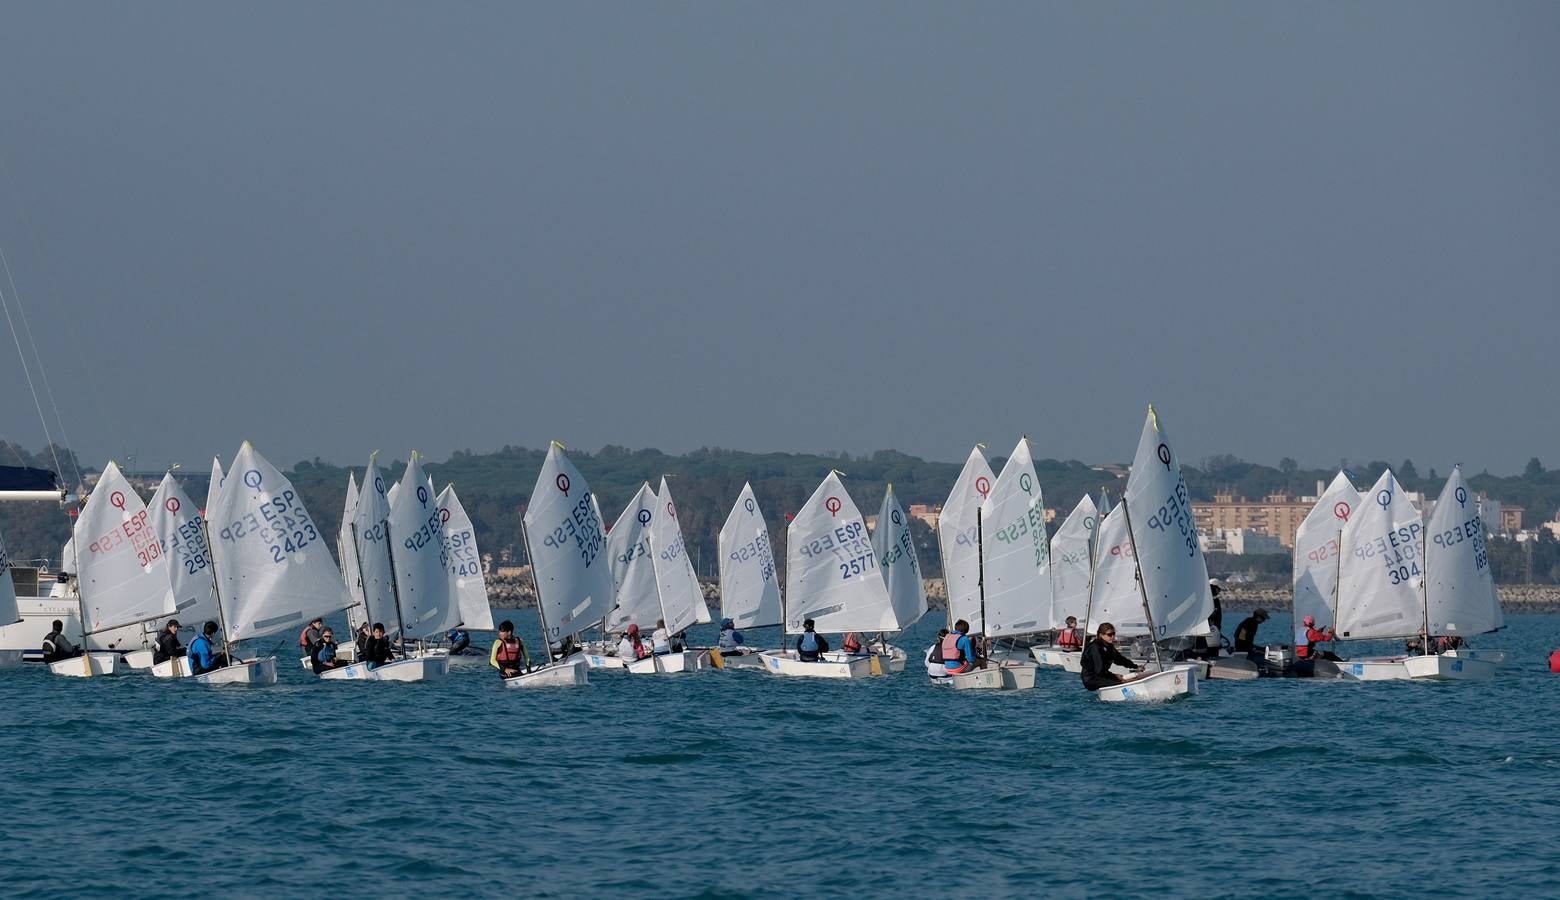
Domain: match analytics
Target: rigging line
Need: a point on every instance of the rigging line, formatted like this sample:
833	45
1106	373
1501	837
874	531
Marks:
43	373
30	386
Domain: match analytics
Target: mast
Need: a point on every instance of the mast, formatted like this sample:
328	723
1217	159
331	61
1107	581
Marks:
1142	588
536	585
980	579
395	589
357	554
1094	553
216	592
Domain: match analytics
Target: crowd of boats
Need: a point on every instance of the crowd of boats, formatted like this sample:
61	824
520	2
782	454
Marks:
254	561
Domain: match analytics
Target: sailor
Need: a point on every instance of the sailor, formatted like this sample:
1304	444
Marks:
324	655
958	651
377	652
363	634
1208	647
811	646
1246	631
936	654
56	646
310	636
203	655
508	655
1099	655
1067	638
1314	636
852	643
731	642
168	646
632	646
459	639
660	641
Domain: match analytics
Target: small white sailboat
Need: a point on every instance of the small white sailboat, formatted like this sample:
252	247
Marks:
894	544
1319	555
1459	590
749	582
1072	579
567	546
832	577
677	588
122	572
1380	570
181	530
465	563
1172	577
956	538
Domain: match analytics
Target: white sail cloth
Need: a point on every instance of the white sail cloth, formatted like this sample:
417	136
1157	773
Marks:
1380	594
749	584
423	585
1072	563
567	548
1164	535
831	572
371	531
957	539
1317	554
1016	551
894	545
681	595
633	573
1115	597
1460	596
465	563
182	533
122	572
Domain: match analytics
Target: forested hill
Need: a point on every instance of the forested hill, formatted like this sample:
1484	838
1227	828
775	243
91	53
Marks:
494	488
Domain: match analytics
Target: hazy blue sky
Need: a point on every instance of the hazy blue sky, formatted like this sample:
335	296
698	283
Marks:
1313	230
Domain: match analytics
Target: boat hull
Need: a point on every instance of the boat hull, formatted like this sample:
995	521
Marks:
1370	669
245	671
737	660
1449	668
667	663
785	663
1498	657
1233	668
1171	684
1018	676
1056	658
571	672
603	661
102	663
137	660
417	668
978	680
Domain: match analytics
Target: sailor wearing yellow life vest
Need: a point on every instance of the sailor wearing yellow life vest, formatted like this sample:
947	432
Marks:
508	656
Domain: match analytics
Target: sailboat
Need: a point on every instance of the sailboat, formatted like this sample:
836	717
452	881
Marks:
573	578
832	578
122	573
956	538
1459	590
181	531
1172	577
351	574
465	563
273	570
894	545
1015	573
749	582
1072	572
635	601
1318	558
677	587
401	558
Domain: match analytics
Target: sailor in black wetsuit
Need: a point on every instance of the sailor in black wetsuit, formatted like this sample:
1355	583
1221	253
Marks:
1246	631
1099	656
168	646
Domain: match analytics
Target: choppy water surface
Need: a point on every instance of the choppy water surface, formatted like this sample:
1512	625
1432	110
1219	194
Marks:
739	783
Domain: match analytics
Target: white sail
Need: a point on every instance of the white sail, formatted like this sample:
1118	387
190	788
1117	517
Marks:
679	587
1017	571
8	611
346	549
1459	589
1072	562
370	526
465	563
568	549
1379	590
213	487
894	545
422	574
123	574
1174	574
633	573
749	584
1317	543
274	569
956	537
831	572
180	529
1115	597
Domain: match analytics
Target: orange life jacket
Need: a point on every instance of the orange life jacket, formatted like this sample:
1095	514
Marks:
950	648
852	643
509	653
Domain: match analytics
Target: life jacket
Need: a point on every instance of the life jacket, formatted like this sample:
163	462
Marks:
509	654
1068	638
950	650
807	646
852	643
306	638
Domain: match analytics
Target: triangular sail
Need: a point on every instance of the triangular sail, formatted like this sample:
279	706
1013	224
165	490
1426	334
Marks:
957	538
427	596
123	574
181	530
1072	562
633	573
1379	590
346	548
679	587
8	610
376	590
465	563
894	545
1459	589
749	584
1017	552
568	549
273	566
1175	576
1317	544
831	572
1115	597
213	487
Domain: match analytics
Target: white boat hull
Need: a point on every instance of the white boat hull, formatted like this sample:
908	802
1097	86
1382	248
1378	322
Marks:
1052	657
785	663
137	660
1018	676
738	660
1174	682
417	668
1370	669
667	663
1449	668
571	672
76	667
978	680
1233	668
245	671
1498	657
603	661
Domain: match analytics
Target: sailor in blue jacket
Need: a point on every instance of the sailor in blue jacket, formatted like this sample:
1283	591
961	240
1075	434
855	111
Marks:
203	655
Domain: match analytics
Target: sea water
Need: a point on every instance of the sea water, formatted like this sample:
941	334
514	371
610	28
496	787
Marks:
738	783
